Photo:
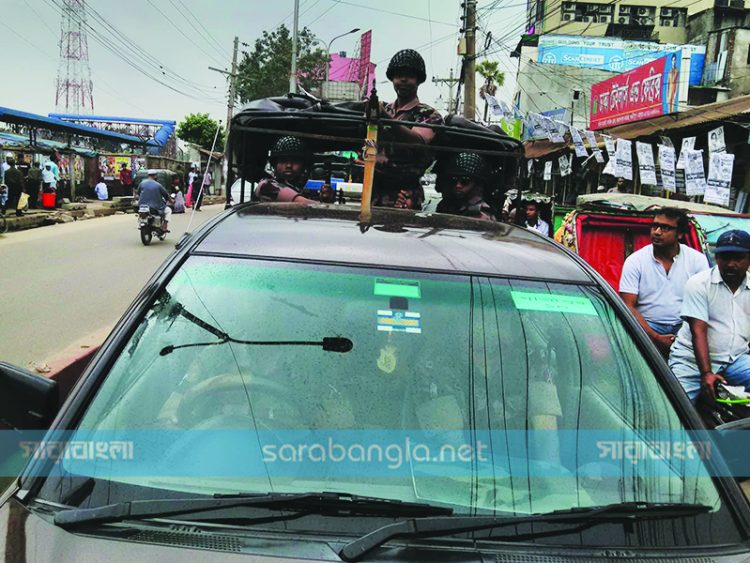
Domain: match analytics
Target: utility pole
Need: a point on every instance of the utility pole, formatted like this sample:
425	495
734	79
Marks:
232	96
293	73
470	87
451	81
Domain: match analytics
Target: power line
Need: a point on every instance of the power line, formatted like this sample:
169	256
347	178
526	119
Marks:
381	11
218	46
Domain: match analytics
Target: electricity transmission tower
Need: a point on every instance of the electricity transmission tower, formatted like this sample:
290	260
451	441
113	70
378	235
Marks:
74	92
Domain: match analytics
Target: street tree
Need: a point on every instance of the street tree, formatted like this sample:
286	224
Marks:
492	75
264	72
200	129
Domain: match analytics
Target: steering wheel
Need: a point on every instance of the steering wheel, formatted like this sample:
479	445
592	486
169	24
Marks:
229	396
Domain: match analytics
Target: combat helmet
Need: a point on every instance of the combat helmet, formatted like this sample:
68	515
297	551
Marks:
407	58
467	164
289	146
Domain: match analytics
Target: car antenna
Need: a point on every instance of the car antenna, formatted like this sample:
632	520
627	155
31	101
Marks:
370	151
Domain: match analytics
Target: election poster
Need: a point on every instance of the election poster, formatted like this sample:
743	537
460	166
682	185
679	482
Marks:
695	179
609	143
624	159
578	142
716	142
548	170
565	167
719	180
688	144
666	164
646	165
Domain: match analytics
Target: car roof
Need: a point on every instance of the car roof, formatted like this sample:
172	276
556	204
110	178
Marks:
398	239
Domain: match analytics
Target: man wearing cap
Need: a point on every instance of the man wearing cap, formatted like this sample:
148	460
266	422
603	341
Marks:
461	181
712	345
156	196
653	278
399	169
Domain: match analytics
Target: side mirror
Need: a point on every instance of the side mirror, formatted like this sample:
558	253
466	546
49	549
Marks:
27	401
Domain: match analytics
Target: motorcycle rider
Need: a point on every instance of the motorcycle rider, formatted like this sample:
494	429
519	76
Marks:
461	181
156	196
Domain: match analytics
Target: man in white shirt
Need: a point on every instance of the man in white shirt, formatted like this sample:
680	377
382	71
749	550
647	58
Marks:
712	344
533	221
101	190
653	278
3	167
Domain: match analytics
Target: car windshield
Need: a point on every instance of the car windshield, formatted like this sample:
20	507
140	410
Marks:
482	394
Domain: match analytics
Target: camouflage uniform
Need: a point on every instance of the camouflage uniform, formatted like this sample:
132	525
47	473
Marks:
278	189
471	204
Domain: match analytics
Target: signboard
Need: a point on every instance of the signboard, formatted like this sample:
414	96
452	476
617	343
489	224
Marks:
614	55
647	91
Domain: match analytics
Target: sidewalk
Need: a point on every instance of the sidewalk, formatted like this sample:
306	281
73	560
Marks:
69	212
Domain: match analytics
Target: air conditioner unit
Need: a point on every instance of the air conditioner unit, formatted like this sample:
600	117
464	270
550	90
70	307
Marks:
643	11
567	17
667	23
667	13
584	19
605	9
623	20
568	6
605	19
624	10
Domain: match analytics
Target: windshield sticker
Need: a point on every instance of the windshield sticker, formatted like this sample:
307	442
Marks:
393	287
400	321
387	360
551	303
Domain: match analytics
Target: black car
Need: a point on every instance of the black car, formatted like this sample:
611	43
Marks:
435	388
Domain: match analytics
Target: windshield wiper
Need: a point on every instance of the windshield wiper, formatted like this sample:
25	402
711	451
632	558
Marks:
442	526
329	344
307	503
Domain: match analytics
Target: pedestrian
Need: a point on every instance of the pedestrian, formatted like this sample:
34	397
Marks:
653	278
15	182
712	345
34	185
461	181
179	200
621	187
102	194
208	182
3	167
200	187
400	168
533	221
191	179
126	177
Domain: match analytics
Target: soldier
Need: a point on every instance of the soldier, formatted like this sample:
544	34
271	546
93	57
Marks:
399	169
290	159
462	180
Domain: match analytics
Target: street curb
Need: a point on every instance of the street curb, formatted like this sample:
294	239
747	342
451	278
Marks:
66	371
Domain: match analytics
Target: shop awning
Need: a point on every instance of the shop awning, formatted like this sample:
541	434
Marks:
42	122
699	115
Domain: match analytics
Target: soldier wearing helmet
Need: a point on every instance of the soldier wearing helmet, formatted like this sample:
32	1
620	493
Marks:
462	180
399	169
290	159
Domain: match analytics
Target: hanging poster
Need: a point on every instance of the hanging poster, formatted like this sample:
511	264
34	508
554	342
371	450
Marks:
591	138
646	166
716	141
624	159
688	144
530	165
695	178
578	142
548	170
719	180
609	143
564	165
610	167
666	163
666	141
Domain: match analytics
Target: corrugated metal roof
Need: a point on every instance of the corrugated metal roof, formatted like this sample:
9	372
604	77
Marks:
717	111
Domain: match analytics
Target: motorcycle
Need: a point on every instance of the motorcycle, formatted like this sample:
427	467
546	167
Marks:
150	224
730	405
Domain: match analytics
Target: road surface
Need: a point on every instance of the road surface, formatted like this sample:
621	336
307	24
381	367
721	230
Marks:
64	287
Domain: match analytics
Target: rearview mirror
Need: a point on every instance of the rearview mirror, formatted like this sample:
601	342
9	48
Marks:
27	401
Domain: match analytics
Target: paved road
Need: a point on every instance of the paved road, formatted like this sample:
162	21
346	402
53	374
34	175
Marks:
64	287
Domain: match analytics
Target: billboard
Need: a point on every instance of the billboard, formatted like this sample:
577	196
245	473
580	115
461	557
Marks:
614	55
647	91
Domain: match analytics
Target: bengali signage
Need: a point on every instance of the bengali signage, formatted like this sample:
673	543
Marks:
645	92
614	55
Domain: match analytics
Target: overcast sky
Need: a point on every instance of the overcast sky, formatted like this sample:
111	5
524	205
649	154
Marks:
167	33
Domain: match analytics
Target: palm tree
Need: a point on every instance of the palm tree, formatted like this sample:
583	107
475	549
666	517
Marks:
492	76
